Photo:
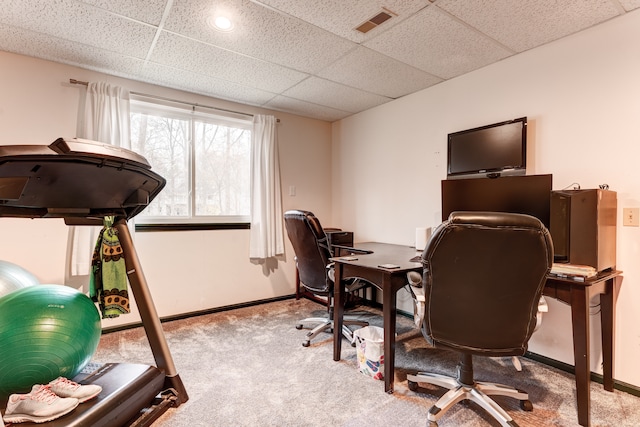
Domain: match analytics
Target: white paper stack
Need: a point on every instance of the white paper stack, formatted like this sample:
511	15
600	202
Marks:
573	270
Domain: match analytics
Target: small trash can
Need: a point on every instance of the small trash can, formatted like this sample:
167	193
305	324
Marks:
370	351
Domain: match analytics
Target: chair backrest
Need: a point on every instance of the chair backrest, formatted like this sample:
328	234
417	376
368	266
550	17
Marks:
484	273
312	250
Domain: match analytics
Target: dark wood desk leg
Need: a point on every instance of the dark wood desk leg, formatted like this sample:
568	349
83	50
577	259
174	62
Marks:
338	312
608	321
389	323
580	322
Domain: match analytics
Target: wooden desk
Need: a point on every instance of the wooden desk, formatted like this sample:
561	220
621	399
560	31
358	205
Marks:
389	281
575	293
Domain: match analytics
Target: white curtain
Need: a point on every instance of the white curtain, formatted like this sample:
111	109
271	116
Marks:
105	119
266	199
106	115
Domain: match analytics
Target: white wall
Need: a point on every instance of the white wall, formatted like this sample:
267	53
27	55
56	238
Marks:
582	98
187	270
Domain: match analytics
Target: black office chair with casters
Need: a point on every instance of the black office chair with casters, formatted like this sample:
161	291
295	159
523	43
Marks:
483	276
315	270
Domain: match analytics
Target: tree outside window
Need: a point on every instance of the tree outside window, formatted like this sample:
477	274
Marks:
205	159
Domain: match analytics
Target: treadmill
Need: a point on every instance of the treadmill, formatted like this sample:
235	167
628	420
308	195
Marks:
83	181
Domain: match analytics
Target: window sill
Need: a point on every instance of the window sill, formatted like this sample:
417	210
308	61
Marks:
192	227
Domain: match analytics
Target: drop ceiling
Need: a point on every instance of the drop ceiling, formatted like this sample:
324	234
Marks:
299	56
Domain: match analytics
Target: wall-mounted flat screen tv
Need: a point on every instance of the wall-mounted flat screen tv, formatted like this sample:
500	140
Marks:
493	150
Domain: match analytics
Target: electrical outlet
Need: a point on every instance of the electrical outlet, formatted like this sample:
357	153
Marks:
631	217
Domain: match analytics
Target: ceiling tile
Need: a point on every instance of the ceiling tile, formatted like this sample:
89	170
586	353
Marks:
204	85
200	58
302	108
258	32
438	44
630	4
51	48
334	95
79	22
374	72
148	11
531	22
342	17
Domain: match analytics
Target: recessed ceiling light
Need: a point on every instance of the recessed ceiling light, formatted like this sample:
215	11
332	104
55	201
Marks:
220	23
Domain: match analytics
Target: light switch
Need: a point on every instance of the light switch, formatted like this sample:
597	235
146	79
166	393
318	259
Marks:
292	190
631	217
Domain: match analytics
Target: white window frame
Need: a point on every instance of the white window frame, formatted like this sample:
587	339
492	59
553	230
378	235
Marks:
192	114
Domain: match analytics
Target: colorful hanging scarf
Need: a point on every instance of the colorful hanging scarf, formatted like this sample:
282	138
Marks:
108	280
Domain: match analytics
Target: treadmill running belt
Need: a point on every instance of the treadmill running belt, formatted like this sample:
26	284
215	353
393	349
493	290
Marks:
124	387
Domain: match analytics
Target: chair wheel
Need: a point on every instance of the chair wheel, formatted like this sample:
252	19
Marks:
526	405
432	424
298	327
413	386
306	344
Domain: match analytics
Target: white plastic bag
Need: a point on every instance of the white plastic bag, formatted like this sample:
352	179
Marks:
370	350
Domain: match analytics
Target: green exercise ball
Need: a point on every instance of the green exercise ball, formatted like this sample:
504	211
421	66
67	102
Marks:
14	277
46	331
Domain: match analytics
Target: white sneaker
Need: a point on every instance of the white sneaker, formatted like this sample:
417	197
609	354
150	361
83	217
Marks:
64	387
38	406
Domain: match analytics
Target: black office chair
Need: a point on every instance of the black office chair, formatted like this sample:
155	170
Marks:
483	276
315	270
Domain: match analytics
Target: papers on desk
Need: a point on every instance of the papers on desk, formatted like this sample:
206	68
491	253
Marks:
573	271
389	266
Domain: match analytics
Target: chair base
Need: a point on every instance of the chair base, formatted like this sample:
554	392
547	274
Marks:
326	325
516	363
478	393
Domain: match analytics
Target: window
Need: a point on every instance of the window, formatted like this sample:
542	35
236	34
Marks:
205	159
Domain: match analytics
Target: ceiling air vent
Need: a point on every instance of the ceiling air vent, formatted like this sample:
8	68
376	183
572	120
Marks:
378	19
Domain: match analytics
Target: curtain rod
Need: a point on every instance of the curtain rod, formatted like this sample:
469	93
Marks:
79	82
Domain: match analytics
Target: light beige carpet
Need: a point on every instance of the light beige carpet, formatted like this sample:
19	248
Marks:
247	367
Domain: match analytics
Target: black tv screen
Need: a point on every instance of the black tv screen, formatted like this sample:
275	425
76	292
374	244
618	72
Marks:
492	150
527	194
